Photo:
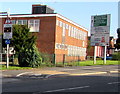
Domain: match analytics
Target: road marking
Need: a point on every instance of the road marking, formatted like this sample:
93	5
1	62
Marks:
68	69
89	73
49	75
114	71
113	83
23	73
92	68
68	89
87	68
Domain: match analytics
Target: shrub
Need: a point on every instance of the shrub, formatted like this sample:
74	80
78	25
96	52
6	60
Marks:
115	56
30	58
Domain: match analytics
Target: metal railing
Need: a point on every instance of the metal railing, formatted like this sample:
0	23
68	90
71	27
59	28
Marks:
3	57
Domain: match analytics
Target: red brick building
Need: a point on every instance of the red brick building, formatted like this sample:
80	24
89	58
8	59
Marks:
55	33
100	49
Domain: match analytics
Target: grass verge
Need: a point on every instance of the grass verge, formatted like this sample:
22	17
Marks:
90	63
81	63
3	67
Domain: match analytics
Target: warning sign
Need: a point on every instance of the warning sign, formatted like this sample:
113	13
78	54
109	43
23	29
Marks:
7	34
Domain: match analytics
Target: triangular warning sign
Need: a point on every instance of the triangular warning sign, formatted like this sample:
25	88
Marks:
8	21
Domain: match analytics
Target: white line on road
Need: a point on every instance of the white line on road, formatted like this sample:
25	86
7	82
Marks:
49	75
113	83
114	71
67	89
23	73
92	68
96	67
69	69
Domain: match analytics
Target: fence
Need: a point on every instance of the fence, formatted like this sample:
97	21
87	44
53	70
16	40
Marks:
62	58
3	57
50	58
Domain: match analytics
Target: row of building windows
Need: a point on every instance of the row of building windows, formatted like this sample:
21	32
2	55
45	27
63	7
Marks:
76	51
72	31
33	24
72	50
61	46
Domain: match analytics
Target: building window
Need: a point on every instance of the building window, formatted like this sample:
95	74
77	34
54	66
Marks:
69	32
83	43
21	22
61	24
66	26
24	22
57	22
13	21
34	25
72	32
80	35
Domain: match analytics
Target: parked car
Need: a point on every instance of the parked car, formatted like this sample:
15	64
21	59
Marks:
107	58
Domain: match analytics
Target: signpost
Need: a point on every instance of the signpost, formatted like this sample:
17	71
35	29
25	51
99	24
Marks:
100	28
7	34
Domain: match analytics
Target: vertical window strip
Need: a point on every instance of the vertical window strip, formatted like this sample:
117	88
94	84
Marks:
34	25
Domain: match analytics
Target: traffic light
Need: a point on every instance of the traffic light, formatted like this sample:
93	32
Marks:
7	29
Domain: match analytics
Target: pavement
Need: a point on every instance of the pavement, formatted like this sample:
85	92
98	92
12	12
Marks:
61	71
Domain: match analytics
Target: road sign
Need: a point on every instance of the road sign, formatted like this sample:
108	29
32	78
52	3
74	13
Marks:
100	28
7	41
7	29
100	20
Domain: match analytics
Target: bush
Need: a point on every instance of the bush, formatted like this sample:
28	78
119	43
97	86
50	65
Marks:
36	60
45	58
30	58
115	56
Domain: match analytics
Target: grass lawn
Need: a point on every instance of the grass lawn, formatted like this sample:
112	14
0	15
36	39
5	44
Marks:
3	67
98	62
81	63
91	63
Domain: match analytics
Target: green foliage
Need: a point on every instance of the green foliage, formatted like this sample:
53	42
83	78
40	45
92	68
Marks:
22	39
117	45
47	59
89	46
24	44
115	56
35	58
3	67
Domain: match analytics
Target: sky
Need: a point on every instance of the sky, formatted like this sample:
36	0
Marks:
79	12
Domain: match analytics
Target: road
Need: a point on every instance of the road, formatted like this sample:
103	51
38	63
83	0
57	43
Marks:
68	70
90	83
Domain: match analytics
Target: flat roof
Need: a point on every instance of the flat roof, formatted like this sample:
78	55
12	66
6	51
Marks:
44	15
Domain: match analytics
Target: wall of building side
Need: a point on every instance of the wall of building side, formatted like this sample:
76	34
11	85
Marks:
99	51
1	29
71	40
46	35
57	36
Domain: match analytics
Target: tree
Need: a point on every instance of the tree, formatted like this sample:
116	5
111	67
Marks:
24	44
117	45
